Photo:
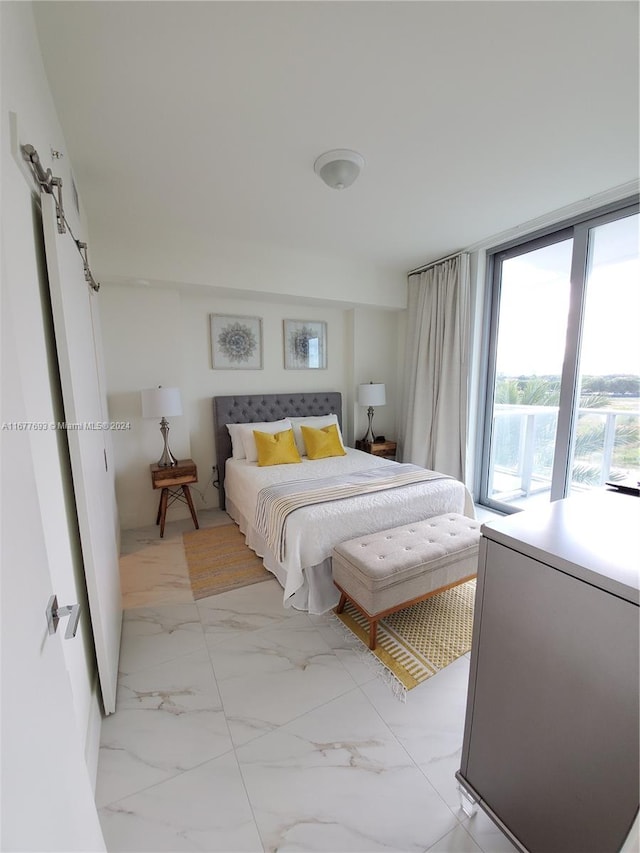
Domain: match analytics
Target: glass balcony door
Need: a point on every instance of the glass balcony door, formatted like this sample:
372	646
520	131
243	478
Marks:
605	436
564	374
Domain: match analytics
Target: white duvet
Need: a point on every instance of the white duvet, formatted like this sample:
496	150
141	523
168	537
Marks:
312	532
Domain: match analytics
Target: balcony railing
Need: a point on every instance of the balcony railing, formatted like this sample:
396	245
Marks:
523	440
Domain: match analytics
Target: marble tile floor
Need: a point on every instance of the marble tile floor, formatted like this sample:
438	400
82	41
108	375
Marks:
245	726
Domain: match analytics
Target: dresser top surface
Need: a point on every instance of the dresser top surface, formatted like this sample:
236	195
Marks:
595	537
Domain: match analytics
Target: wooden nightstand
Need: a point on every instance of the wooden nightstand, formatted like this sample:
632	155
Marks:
387	449
173	480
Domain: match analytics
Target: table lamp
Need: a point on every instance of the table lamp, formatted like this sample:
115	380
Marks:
158	403
371	394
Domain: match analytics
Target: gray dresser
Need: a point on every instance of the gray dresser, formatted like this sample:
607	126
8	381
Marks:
551	747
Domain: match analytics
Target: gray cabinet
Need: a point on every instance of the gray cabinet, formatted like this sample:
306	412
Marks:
551	747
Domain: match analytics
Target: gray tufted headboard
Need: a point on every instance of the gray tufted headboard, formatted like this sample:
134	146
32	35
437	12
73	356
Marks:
253	408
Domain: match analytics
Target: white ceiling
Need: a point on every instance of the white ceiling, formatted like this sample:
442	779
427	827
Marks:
198	123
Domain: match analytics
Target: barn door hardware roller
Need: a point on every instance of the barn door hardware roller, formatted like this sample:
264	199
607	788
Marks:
53	186
82	248
47	182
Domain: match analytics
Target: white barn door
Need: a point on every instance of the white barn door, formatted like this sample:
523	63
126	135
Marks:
46	797
75	314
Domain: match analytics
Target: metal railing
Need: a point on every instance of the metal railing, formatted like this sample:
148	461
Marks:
523	440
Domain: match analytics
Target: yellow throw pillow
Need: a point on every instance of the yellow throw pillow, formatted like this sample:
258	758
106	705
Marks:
278	448
321	443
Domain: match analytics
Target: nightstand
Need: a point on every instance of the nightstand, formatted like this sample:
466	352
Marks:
386	449
174	481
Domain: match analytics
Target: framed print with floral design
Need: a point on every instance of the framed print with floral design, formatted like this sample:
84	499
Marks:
305	344
236	342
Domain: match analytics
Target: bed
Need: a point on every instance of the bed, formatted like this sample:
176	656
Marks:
303	565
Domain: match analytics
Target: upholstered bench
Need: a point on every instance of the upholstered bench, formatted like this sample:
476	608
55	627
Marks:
385	571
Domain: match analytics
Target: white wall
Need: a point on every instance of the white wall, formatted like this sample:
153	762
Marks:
264	271
28	117
159	335
375	359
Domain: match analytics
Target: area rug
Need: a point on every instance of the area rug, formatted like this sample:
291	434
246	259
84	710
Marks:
219	560
415	643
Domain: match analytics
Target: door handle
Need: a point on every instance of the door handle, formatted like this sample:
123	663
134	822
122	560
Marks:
55	613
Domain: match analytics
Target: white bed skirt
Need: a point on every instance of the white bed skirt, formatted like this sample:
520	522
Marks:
317	595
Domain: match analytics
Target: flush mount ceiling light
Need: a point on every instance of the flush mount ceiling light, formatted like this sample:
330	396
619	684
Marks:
339	168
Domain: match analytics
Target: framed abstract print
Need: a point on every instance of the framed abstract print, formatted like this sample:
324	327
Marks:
236	342
305	344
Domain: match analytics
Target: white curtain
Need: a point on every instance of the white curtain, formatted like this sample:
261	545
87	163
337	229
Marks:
435	388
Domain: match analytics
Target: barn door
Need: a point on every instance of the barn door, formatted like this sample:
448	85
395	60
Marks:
75	318
46	797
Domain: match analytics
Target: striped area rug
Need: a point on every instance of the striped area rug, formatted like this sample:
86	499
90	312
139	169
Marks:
219	560
415	643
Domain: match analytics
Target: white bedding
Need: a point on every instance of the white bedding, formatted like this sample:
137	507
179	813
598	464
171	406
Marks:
311	532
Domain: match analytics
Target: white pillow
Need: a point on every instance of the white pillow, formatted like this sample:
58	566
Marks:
316	422
249	442
237	447
237	432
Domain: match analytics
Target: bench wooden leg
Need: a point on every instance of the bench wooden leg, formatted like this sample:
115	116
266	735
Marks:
341	603
373	631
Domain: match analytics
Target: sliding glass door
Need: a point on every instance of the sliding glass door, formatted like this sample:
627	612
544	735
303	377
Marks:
563	383
606	437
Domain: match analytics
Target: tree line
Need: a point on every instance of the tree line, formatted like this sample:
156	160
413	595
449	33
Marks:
625	385
530	389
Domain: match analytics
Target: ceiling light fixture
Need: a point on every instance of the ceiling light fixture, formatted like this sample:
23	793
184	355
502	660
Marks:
339	168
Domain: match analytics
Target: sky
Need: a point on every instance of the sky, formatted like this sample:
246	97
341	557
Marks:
535	305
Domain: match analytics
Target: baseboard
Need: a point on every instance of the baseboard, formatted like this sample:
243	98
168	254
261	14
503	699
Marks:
93	733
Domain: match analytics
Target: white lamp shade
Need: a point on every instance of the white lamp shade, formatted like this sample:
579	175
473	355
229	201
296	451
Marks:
161	402
372	394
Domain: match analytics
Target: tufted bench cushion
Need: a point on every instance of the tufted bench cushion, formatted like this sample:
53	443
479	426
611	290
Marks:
391	569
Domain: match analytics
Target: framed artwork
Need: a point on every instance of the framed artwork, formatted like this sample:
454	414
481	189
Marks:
305	344
236	342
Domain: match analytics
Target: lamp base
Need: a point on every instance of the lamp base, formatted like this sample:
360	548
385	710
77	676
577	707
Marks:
167	460
368	436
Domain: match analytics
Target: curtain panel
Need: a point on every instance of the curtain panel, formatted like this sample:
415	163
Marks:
436	370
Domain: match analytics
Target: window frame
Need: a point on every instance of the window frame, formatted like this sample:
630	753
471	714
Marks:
578	229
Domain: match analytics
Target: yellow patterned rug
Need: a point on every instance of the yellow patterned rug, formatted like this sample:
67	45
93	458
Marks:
415	643
219	560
